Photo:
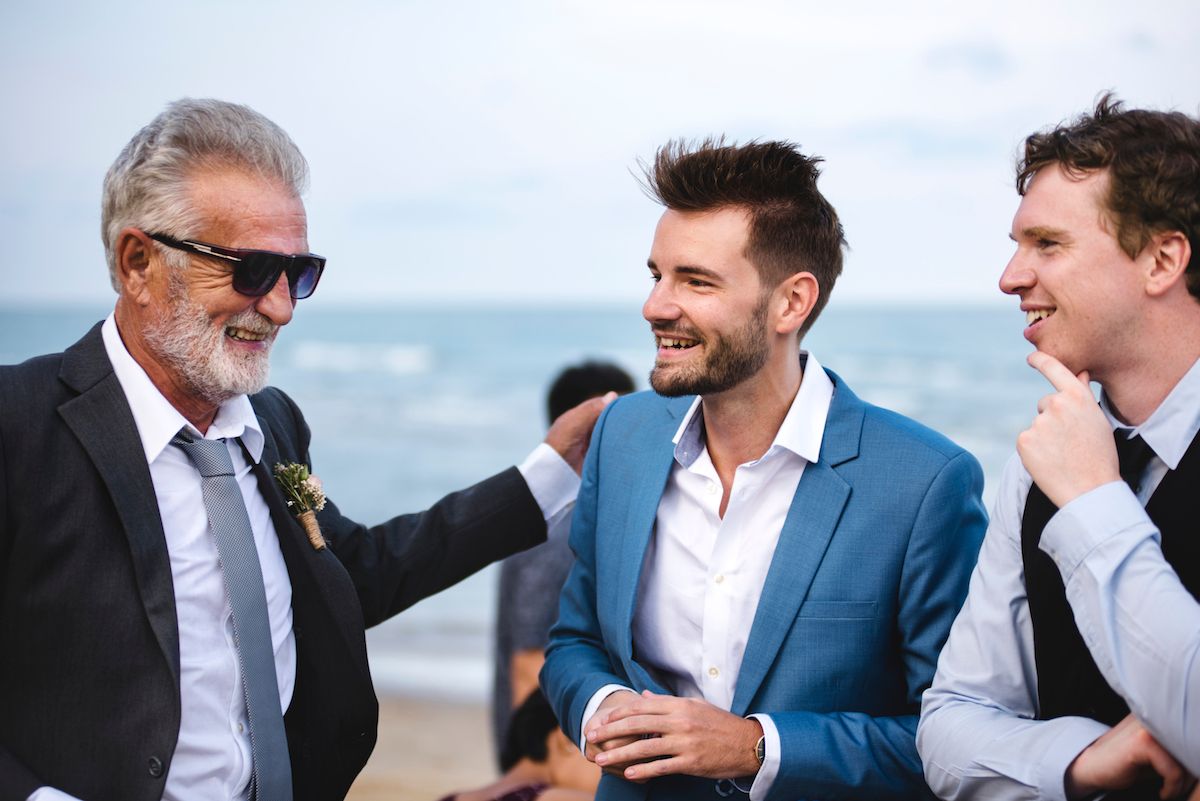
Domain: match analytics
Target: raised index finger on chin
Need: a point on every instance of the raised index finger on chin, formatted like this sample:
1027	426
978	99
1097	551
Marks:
1053	370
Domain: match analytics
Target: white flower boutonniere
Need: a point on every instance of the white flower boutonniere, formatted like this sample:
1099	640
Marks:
304	497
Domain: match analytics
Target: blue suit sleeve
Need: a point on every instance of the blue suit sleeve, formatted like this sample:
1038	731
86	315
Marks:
577	662
828	755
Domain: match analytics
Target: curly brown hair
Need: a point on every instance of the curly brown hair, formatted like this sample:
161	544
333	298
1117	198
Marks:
793	228
1153	164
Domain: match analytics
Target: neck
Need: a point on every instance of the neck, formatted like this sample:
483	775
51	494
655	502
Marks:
199	413
1152	368
741	423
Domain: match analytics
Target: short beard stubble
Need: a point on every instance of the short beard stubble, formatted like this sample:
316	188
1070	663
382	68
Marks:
730	360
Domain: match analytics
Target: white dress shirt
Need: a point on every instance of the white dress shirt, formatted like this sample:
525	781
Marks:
704	573
977	736
212	758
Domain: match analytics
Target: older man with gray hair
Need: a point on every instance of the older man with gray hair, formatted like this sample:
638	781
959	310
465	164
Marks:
168	629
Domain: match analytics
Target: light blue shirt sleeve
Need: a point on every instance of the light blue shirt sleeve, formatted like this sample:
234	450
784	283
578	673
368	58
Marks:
977	736
1139	622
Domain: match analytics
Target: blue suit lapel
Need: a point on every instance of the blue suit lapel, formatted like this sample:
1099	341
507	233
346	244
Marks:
810	524
656	461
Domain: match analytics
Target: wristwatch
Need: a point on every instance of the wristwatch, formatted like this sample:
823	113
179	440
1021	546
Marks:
760	750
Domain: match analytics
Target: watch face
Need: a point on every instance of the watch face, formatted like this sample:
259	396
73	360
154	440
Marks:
760	749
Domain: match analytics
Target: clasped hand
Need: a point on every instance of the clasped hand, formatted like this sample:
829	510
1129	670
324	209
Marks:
1121	756
643	736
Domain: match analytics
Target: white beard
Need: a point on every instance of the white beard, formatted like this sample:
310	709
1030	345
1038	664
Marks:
185	338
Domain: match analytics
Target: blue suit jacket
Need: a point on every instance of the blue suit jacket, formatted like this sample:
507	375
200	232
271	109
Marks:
870	569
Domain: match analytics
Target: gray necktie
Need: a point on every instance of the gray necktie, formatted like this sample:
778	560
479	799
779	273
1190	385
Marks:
271	779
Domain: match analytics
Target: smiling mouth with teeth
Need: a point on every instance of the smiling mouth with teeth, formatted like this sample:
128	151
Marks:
245	335
676	344
1036	315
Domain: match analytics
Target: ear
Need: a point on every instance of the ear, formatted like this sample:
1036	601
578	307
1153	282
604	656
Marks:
796	297
134	264
1168	255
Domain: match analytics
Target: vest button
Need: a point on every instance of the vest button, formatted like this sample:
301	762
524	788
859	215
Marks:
155	767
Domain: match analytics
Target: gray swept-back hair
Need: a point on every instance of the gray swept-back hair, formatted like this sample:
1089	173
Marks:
147	186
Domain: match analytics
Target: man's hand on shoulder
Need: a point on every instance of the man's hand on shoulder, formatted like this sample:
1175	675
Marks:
665	735
570	433
1069	448
1121	756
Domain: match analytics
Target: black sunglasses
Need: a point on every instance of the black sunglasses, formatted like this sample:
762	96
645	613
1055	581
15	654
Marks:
256	271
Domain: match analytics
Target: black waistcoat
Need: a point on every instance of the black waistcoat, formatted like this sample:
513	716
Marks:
1069	683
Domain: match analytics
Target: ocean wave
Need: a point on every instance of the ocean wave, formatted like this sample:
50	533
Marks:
456	678
361	357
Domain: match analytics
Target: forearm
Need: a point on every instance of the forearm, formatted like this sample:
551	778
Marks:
575	670
409	558
974	749
1140	624
978	736
824	754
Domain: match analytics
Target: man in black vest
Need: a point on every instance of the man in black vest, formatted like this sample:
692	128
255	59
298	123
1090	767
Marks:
1074	667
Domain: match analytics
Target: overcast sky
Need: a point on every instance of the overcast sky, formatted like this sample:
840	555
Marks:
480	152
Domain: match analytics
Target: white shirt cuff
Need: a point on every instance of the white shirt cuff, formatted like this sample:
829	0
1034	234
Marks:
590	710
551	480
770	766
1082	525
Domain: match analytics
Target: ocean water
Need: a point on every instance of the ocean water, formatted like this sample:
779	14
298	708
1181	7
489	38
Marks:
407	404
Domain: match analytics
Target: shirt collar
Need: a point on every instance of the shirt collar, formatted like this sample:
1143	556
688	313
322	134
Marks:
157	420
801	430
1170	429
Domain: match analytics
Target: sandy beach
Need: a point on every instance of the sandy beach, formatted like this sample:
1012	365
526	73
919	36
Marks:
426	749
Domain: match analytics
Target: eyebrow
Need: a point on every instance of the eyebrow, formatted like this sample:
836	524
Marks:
1041	232
687	269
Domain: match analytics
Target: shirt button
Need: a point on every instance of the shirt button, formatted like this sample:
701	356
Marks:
713	672
719	578
712	488
241	729
155	767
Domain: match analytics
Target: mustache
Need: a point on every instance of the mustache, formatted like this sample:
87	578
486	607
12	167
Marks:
254	322
676	333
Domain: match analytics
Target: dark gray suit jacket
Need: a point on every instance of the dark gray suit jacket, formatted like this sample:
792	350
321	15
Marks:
89	639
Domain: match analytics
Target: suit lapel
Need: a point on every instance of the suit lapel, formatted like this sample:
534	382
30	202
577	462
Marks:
807	531
647	491
309	570
100	418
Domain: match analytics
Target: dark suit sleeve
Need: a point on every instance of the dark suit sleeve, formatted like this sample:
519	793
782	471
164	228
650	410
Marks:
822	754
410	557
16	780
577	663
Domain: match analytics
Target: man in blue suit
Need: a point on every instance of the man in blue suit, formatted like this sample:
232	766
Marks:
766	565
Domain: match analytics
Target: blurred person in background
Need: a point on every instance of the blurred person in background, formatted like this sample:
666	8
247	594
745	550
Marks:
537	760
530	582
